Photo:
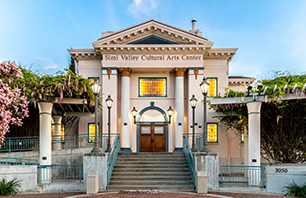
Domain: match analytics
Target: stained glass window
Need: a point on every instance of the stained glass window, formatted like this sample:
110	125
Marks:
152	87
213	86
212	132
91	132
62	131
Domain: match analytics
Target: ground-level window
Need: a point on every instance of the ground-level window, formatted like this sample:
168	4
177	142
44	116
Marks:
213	87
153	87
91	132
212	132
62	131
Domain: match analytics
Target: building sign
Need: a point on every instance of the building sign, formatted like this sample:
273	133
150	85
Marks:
146	57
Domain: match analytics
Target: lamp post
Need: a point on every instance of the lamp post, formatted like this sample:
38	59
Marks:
204	88
109	103
95	86
134	113
193	103
170	112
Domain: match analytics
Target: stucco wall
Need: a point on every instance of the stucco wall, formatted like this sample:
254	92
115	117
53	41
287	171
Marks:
280	175
27	175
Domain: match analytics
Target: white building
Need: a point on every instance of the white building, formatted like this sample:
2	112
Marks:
153	66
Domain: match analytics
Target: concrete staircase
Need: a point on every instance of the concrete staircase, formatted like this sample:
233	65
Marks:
151	171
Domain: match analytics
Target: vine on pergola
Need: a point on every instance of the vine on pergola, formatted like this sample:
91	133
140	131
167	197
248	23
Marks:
22	86
283	122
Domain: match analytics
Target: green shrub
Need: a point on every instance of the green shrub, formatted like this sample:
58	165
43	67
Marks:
295	190
9	187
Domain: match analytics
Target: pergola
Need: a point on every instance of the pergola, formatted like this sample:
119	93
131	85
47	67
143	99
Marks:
252	136
53	108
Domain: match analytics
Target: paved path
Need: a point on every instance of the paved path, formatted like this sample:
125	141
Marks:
211	194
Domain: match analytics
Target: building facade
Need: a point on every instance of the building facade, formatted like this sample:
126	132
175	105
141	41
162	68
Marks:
151	67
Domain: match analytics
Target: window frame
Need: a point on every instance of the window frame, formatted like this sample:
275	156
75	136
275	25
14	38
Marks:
152	95
216	129
216	93
88	135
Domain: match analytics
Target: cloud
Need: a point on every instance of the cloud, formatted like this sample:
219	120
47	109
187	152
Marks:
48	63
142	7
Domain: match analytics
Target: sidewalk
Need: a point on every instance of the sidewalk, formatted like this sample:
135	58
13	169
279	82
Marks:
102	194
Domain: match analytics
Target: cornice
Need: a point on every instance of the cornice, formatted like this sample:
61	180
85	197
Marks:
220	53
84	54
152	27
152	49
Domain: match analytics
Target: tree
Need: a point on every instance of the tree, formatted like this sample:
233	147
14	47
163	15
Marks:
13	102
72	65
283	122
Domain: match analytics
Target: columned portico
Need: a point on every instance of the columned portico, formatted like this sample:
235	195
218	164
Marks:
179	108
57	120
254	133
125	109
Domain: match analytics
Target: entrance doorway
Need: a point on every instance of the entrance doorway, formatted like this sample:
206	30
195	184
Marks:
152	137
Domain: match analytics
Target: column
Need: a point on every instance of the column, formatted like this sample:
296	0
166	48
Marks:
57	120
246	146
125	110
254	142
254	133
179	108
45	109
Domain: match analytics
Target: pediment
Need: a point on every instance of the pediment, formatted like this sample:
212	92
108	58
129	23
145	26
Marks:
152	32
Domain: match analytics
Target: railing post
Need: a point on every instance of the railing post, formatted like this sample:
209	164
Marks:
9	145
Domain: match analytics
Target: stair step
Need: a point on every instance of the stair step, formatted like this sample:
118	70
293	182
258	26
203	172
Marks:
151	169
139	166
176	188
154	177
152	182
169	174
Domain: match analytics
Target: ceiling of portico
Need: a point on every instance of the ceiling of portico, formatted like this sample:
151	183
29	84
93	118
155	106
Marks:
148	29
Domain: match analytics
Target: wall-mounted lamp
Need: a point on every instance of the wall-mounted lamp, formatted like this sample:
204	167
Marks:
170	112
134	113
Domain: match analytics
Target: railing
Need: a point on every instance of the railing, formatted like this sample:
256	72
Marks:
20	144
55	172
198	138
190	159
242	176
112	158
17	161
13	144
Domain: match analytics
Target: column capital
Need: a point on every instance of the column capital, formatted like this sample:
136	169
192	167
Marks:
179	71
125	71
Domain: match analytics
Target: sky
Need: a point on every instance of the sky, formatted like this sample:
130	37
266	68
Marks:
270	34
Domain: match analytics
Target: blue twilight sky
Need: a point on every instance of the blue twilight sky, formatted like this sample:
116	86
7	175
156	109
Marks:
270	34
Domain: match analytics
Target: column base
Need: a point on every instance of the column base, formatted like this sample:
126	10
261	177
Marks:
178	150
126	150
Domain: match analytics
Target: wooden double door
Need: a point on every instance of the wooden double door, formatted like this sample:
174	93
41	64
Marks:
152	138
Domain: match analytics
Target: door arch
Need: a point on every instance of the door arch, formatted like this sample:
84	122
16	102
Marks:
165	122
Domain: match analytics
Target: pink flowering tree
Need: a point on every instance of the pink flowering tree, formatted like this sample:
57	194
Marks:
13	102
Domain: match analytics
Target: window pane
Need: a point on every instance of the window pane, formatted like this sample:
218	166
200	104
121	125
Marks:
153	87
212	86
212	132
91	132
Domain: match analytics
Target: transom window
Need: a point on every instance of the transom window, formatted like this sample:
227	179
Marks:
152	87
